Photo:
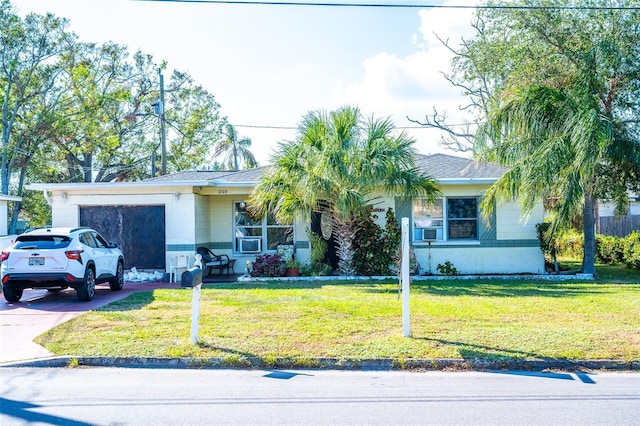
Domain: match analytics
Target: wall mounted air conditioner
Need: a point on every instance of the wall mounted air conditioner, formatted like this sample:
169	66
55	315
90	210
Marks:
430	234
250	245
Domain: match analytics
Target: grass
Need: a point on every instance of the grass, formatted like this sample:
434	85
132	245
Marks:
489	319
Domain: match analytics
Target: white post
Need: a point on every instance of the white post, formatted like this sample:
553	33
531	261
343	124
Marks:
405	278
195	313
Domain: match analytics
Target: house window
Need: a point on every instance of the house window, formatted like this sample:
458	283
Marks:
445	219
428	220
253	235
462	218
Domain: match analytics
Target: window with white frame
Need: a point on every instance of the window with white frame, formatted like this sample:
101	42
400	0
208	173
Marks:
253	235
451	218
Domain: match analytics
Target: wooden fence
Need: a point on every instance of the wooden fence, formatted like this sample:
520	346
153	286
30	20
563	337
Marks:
619	227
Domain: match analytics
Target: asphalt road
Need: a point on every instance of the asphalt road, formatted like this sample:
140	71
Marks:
112	396
39	311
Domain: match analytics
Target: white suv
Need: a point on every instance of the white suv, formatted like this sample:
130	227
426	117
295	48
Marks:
58	258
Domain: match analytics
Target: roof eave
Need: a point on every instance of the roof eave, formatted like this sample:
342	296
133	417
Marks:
462	181
76	186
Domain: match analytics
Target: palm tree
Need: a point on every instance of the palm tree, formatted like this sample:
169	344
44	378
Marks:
235	151
556	142
338	164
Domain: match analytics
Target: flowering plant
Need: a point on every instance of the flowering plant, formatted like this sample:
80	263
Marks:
268	265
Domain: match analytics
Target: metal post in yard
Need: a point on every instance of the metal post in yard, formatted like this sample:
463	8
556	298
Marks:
192	278
195	314
405	279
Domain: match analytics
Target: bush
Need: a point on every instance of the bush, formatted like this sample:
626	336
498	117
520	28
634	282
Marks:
570	244
268	265
317	264
376	249
609	249
447	269
632	250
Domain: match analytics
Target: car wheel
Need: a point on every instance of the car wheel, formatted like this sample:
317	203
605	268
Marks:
11	294
118	281
87	290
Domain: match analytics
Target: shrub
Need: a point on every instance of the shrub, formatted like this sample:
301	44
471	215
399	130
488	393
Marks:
376	249
570	244
268	265
609	249
632	250
317	264
447	269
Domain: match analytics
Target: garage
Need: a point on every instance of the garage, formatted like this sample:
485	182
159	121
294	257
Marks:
139	232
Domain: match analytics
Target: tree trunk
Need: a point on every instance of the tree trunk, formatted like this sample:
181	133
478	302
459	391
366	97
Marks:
589	230
345	231
17	205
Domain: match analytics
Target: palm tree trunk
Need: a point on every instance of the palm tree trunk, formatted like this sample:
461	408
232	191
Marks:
589	256
345	235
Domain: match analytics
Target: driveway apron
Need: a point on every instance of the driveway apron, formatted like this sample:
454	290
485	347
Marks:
40	310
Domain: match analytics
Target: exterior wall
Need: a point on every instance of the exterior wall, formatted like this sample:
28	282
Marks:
481	260
508	244
219	215
179	215
511	225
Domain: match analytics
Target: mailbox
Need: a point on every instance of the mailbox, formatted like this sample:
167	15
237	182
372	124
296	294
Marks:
192	277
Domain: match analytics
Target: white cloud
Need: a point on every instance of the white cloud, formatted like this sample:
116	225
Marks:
412	85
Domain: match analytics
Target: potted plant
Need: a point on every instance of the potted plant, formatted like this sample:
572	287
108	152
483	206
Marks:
293	268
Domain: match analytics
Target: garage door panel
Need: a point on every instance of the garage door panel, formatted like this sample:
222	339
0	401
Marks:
139	231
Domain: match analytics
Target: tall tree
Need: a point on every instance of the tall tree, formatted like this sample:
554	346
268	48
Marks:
339	163
562	111
29	49
234	151
195	124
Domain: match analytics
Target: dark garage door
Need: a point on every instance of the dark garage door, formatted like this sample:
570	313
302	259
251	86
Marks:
139	231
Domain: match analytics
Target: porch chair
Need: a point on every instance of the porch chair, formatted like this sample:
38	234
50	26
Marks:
211	261
178	264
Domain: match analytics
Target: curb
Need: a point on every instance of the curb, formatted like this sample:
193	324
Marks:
386	364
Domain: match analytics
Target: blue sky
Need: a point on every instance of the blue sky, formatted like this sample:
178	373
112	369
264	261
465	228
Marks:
269	65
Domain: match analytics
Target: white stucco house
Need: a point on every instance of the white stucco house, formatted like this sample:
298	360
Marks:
156	219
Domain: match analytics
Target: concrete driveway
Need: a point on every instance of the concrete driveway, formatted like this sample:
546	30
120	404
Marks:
40	310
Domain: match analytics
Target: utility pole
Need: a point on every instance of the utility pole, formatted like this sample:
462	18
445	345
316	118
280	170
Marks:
163	138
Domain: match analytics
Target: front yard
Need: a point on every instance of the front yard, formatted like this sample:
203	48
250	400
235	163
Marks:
490	319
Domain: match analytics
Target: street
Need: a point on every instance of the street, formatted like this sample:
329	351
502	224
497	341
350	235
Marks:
115	396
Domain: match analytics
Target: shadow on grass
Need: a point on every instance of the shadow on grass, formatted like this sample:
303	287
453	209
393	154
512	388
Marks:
227	351
296	285
508	288
132	302
470	351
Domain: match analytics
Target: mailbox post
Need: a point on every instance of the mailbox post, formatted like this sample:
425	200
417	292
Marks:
192	278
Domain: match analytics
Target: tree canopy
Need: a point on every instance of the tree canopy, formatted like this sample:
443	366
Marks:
73	111
338	164
557	91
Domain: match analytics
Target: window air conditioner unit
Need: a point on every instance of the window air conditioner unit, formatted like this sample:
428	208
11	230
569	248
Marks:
250	245
429	234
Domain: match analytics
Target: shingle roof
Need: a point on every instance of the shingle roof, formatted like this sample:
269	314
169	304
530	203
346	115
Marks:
190	175
447	167
438	166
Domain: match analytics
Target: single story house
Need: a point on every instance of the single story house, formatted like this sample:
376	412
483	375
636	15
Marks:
159	218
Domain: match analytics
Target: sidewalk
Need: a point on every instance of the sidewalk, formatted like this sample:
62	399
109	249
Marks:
39	311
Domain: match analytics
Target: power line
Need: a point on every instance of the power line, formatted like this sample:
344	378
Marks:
257	126
393	5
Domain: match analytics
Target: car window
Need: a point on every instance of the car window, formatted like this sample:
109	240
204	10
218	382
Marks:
100	241
87	239
31	242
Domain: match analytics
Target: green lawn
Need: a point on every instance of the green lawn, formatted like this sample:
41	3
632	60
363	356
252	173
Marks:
492	319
